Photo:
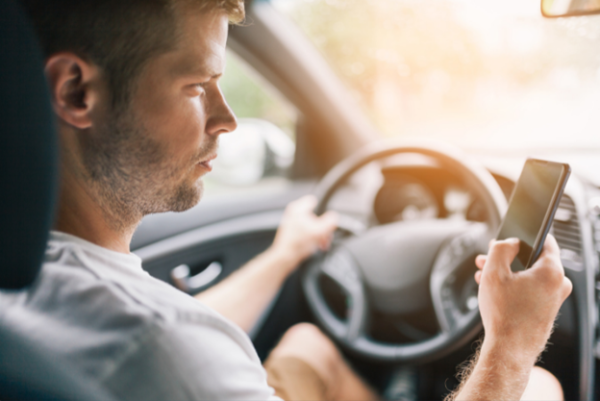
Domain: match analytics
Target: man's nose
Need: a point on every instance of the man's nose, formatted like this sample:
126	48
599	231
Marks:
222	119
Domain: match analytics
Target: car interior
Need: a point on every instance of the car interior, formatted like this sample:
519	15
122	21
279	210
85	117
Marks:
396	290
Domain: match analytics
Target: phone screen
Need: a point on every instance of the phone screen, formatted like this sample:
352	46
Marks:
532	208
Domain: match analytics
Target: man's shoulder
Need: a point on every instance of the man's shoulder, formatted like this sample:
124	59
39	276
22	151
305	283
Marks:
90	277
104	317
154	334
97	289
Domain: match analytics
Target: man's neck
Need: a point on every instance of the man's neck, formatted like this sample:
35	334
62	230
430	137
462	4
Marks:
81	214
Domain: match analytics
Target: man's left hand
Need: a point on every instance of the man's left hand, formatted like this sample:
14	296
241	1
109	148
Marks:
301	232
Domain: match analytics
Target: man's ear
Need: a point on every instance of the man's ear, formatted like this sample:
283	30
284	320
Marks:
74	85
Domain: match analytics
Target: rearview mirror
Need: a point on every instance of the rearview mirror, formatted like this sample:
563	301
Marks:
566	8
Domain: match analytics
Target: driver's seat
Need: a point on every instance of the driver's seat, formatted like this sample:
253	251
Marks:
28	182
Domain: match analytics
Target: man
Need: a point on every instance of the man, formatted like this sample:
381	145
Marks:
134	86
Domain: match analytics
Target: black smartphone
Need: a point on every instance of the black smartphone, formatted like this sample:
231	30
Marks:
531	208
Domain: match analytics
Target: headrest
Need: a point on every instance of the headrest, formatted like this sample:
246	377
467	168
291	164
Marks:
28	151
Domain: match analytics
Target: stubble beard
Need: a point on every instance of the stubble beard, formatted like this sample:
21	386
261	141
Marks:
131	175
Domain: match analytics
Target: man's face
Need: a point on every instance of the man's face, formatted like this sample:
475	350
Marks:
150	156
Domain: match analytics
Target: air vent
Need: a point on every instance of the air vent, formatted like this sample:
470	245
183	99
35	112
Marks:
566	230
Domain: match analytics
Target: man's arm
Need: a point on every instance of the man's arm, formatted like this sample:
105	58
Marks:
243	296
518	311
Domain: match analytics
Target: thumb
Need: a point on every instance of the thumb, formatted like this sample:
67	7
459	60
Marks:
327	222
501	255
304	205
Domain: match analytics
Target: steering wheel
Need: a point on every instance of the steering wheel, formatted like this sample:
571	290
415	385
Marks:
405	266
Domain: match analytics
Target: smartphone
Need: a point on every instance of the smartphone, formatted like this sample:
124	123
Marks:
531	208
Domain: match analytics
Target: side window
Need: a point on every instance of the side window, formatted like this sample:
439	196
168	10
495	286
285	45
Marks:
261	150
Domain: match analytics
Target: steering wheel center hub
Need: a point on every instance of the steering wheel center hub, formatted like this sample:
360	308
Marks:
396	261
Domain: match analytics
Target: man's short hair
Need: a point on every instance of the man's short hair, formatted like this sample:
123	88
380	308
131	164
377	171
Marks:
119	36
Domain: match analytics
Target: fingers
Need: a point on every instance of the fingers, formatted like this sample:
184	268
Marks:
567	287
501	255
550	248
551	245
327	223
305	204
302	227
550	256
549	271
478	276
329	220
480	261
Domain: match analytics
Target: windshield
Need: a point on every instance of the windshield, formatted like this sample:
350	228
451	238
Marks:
478	73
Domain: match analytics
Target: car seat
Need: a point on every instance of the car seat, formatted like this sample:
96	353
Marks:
28	187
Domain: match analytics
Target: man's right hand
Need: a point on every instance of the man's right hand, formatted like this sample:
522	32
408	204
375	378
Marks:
518	309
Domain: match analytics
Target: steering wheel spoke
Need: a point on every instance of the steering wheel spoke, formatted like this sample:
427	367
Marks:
341	268
451	274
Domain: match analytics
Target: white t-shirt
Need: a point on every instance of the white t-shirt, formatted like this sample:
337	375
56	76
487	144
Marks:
139	337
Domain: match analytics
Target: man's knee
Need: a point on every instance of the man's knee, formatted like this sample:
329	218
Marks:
306	333
307	342
307	338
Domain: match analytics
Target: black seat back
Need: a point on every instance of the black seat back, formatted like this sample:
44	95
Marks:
28	152
28	186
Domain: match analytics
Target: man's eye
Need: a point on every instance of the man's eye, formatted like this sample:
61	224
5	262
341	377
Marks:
199	89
